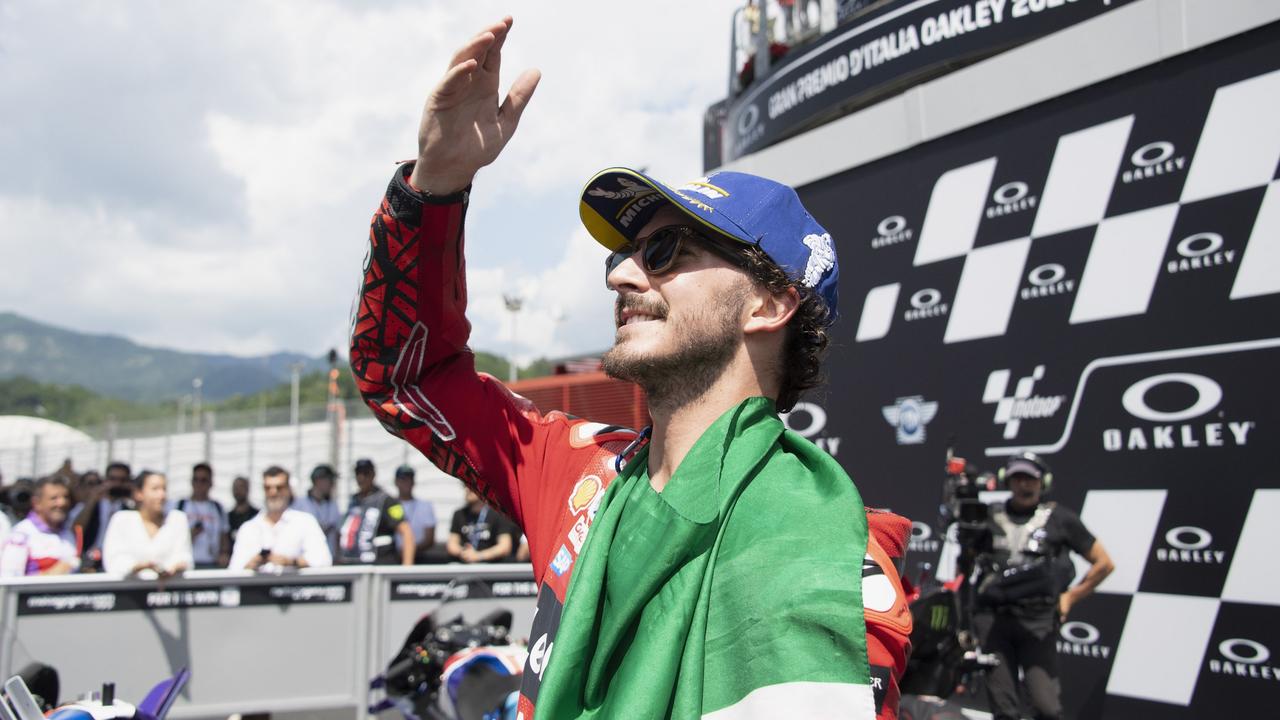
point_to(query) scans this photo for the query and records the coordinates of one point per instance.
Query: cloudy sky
(200, 175)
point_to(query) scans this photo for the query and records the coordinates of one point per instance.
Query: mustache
(632, 301)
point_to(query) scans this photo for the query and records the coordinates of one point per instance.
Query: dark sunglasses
(659, 249)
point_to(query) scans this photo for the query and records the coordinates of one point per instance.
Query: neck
(275, 515)
(677, 426)
(1017, 506)
(154, 516)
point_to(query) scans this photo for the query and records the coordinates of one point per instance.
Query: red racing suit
(547, 472)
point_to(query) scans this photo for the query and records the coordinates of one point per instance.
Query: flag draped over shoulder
(735, 593)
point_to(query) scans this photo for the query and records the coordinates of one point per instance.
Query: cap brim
(614, 216)
(1022, 467)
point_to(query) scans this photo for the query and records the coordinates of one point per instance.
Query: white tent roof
(19, 431)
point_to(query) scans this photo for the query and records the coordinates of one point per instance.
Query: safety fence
(306, 642)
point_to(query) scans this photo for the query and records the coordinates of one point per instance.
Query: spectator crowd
(123, 522)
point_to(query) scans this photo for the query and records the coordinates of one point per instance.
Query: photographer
(100, 502)
(1023, 588)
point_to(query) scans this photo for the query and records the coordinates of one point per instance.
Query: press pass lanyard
(475, 527)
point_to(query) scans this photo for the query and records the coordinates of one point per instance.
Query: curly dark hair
(807, 336)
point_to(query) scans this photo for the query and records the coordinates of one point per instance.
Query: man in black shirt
(373, 520)
(1025, 593)
(243, 511)
(481, 534)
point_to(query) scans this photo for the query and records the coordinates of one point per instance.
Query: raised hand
(463, 127)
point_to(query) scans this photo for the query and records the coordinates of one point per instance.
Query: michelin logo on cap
(822, 257)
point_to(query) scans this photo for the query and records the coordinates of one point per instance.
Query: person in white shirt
(419, 514)
(43, 543)
(150, 542)
(279, 536)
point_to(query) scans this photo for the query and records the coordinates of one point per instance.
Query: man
(724, 291)
(419, 514)
(210, 534)
(242, 511)
(43, 543)
(102, 501)
(372, 523)
(1024, 596)
(279, 537)
(319, 503)
(479, 533)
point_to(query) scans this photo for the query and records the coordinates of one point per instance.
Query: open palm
(463, 126)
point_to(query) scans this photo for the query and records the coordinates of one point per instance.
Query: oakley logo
(1244, 651)
(1152, 159)
(1190, 544)
(1175, 538)
(1010, 198)
(925, 303)
(1208, 395)
(747, 121)
(1200, 251)
(1046, 280)
(1079, 632)
(892, 230)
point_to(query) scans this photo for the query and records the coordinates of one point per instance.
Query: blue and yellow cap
(617, 202)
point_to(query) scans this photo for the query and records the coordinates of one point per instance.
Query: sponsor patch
(563, 560)
(585, 494)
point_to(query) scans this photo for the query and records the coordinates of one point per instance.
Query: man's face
(117, 477)
(201, 482)
(275, 489)
(240, 489)
(364, 480)
(51, 504)
(1026, 489)
(323, 485)
(404, 484)
(683, 325)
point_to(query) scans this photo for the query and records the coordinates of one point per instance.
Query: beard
(704, 341)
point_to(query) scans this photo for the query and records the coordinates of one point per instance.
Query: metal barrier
(301, 642)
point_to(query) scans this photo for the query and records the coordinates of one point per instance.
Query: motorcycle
(19, 703)
(455, 670)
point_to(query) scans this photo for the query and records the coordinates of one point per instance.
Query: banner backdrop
(898, 43)
(1097, 279)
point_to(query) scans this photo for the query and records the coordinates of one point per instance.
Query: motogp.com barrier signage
(902, 42)
(1096, 278)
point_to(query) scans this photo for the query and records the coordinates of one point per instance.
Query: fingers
(493, 56)
(518, 98)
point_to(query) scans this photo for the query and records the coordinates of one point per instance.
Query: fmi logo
(1200, 251)
(817, 422)
(922, 539)
(1168, 429)
(1190, 544)
(893, 230)
(1011, 410)
(1152, 160)
(1081, 639)
(1243, 658)
(1010, 198)
(909, 415)
(926, 303)
(1047, 280)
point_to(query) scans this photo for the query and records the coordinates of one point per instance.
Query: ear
(770, 311)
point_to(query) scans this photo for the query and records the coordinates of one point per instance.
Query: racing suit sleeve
(411, 362)
(885, 607)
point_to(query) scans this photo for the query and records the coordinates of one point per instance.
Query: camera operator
(1023, 581)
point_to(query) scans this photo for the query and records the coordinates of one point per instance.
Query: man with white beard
(279, 537)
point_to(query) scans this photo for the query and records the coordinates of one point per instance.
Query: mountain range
(118, 367)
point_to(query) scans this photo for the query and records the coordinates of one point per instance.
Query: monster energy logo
(939, 616)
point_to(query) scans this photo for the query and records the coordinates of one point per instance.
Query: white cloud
(200, 175)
